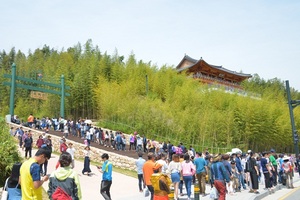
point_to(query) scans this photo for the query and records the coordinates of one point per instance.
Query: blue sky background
(254, 36)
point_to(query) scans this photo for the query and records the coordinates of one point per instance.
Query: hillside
(165, 106)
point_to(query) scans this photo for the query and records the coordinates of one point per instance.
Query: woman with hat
(288, 170)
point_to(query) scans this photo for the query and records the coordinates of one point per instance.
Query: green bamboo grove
(112, 90)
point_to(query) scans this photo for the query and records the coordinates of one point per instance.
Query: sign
(38, 95)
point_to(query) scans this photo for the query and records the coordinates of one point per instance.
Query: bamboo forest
(122, 93)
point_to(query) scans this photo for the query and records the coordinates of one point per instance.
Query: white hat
(286, 158)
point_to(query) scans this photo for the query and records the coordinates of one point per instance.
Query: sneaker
(251, 191)
(257, 192)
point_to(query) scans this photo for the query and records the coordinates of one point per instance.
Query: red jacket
(63, 147)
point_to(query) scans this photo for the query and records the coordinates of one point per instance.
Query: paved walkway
(126, 188)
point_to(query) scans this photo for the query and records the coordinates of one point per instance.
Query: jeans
(139, 148)
(140, 178)
(151, 190)
(105, 187)
(241, 181)
(180, 186)
(280, 176)
(188, 184)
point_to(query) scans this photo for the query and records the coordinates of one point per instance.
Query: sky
(254, 37)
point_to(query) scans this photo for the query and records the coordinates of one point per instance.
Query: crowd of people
(27, 178)
(167, 165)
(227, 173)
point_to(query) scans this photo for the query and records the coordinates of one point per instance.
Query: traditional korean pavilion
(211, 74)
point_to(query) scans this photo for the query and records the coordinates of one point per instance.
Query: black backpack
(249, 167)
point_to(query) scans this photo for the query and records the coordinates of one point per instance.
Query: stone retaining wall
(120, 161)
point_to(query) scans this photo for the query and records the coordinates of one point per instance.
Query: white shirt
(174, 167)
(164, 166)
(71, 151)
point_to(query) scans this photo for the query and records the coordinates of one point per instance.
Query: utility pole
(147, 87)
(293, 104)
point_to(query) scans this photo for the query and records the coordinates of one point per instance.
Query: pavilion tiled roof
(195, 62)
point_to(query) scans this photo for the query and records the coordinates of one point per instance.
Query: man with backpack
(64, 182)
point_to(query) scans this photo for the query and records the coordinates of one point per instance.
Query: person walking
(62, 148)
(201, 171)
(40, 142)
(47, 145)
(19, 134)
(30, 177)
(162, 161)
(106, 171)
(288, 170)
(71, 150)
(139, 166)
(148, 170)
(28, 142)
(219, 176)
(161, 184)
(64, 178)
(86, 164)
(188, 171)
(175, 168)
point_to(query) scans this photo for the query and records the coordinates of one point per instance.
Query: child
(86, 142)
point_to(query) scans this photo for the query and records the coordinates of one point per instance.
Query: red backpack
(60, 194)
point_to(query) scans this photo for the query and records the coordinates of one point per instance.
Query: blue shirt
(139, 165)
(35, 172)
(264, 162)
(107, 171)
(200, 165)
(227, 167)
(218, 172)
(238, 164)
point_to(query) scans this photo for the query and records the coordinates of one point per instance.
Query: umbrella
(88, 121)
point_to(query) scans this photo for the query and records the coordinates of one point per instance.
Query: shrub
(8, 152)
